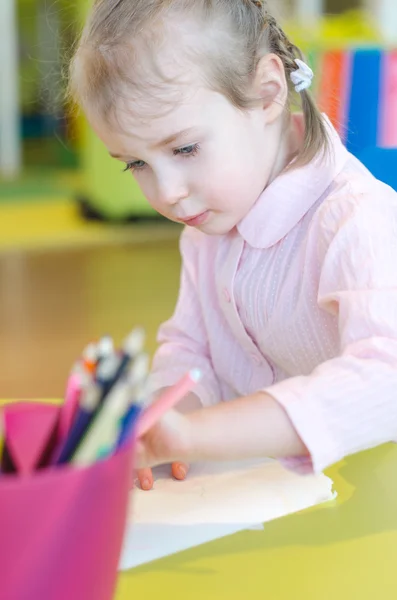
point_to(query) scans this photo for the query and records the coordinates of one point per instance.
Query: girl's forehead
(148, 93)
(182, 108)
(195, 115)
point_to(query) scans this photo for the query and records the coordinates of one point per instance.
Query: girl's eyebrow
(165, 142)
(174, 137)
(119, 156)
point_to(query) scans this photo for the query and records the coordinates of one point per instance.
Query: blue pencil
(128, 424)
(88, 406)
(105, 348)
(140, 393)
(106, 374)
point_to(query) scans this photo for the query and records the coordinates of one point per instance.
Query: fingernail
(182, 472)
(146, 484)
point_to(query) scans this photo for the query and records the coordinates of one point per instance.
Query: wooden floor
(53, 303)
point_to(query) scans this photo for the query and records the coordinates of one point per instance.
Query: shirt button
(226, 295)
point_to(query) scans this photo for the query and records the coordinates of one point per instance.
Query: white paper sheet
(217, 499)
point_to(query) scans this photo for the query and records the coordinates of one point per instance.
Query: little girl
(288, 297)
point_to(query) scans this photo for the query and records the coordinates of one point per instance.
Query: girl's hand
(168, 441)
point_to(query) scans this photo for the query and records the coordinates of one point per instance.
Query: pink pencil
(74, 389)
(167, 401)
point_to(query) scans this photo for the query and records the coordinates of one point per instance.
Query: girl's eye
(187, 150)
(135, 165)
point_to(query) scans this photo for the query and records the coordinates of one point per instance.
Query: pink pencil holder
(61, 531)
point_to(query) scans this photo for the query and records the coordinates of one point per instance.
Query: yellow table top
(345, 549)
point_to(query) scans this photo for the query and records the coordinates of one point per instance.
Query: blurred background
(81, 252)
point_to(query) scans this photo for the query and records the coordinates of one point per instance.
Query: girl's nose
(171, 191)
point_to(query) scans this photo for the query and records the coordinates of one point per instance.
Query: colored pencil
(105, 348)
(139, 370)
(140, 394)
(78, 381)
(167, 401)
(88, 405)
(132, 347)
(106, 374)
(128, 424)
(70, 406)
(104, 430)
(90, 358)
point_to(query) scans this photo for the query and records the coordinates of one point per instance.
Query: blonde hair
(109, 59)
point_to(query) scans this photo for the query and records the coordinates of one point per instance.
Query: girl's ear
(270, 85)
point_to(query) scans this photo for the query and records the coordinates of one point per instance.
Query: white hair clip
(302, 78)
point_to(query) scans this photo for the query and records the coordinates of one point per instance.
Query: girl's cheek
(147, 190)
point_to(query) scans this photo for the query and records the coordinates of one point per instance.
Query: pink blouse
(299, 300)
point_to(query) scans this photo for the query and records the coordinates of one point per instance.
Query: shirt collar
(291, 195)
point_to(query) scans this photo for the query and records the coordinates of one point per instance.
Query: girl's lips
(196, 220)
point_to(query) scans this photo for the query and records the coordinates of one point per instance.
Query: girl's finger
(179, 470)
(145, 477)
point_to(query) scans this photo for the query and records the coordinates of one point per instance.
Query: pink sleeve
(183, 339)
(349, 403)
